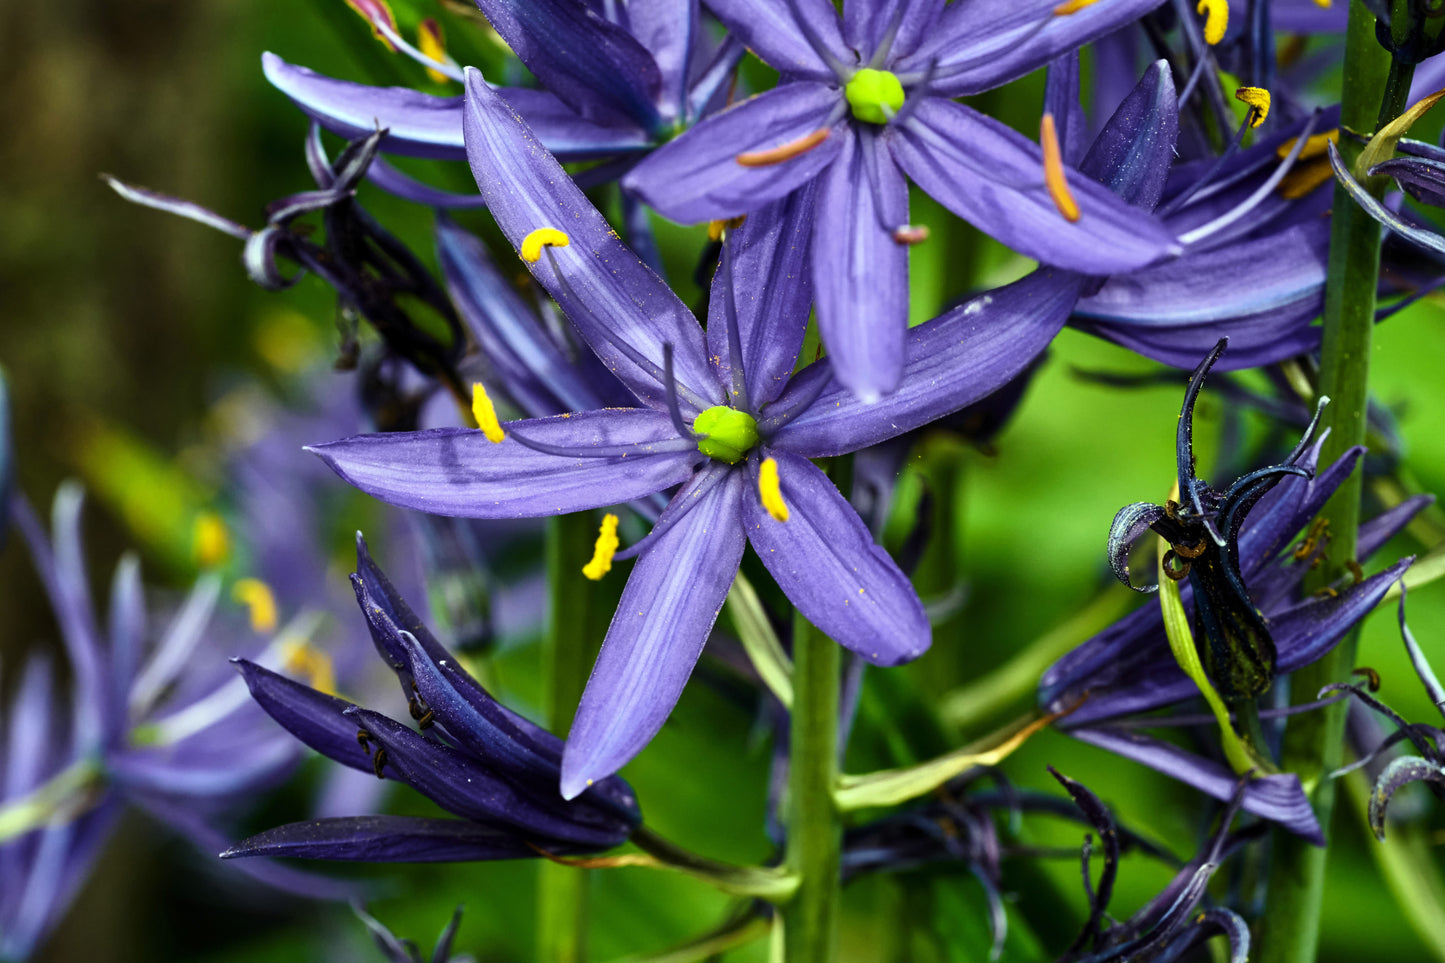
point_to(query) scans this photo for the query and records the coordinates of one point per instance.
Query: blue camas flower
(474, 758)
(722, 416)
(866, 105)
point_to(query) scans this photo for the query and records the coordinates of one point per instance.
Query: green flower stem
(561, 889)
(1313, 742)
(810, 919)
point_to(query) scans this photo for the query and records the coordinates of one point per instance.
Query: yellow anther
(1304, 180)
(776, 155)
(256, 596)
(1054, 178)
(1216, 19)
(1072, 6)
(603, 550)
(1324, 4)
(771, 491)
(211, 542)
(432, 42)
(376, 13)
(716, 229)
(1314, 147)
(304, 659)
(542, 237)
(1257, 98)
(486, 415)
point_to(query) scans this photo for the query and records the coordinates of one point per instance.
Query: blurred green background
(123, 327)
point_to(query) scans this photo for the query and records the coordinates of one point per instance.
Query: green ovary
(874, 95)
(730, 434)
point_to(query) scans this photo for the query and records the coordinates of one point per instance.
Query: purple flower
(866, 105)
(722, 417)
(474, 758)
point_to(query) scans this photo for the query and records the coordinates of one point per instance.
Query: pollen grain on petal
(256, 596)
(1216, 19)
(776, 155)
(771, 490)
(1257, 98)
(535, 241)
(486, 415)
(603, 550)
(1054, 179)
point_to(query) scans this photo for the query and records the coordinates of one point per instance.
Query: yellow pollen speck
(486, 415)
(603, 550)
(210, 539)
(1216, 19)
(542, 237)
(1072, 6)
(1258, 100)
(1323, 4)
(300, 658)
(771, 491)
(256, 596)
(1054, 170)
(1314, 147)
(432, 42)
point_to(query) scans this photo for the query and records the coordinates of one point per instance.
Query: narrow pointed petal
(859, 271)
(456, 471)
(390, 839)
(1129, 524)
(1133, 153)
(949, 363)
(671, 601)
(826, 561)
(769, 29)
(408, 188)
(424, 125)
(1401, 772)
(609, 294)
(594, 66)
(1276, 798)
(697, 177)
(462, 785)
(317, 719)
(1388, 219)
(1304, 634)
(1422, 179)
(904, 24)
(1003, 193)
(666, 29)
(773, 294)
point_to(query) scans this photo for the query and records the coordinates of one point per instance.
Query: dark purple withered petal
(392, 839)
(1401, 772)
(1422, 179)
(1129, 524)
(1373, 207)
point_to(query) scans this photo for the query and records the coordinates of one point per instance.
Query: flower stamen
(604, 549)
(784, 152)
(256, 596)
(1054, 180)
(1257, 98)
(535, 241)
(1216, 19)
(771, 491)
(302, 658)
(486, 415)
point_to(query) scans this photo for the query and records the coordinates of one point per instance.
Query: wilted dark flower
(474, 758)
(405, 951)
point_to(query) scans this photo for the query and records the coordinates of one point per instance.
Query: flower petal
(868, 23)
(456, 471)
(771, 291)
(772, 31)
(315, 718)
(389, 839)
(826, 561)
(697, 177)
(671, 601)
(949, 363)
(1003, 193)
(606, 290)
(1129, 524)
(859, 271)
(1133, 153)
(1277, 798)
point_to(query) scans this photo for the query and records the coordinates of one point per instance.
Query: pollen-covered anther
(431, 41)
(771, 491)
(211, 541)
(875, 96)
(542, 237)
(1216, 19)
(1054, 179)
(910, 234)
(304, 659)
(776, 155)
(1174, 567)
(486, 415)
(603, 549)
(716, 230)
(1257, 98)
(256, 596)
(1189, 551)
(1072, 6)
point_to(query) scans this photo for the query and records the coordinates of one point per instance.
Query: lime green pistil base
(874, 95)
(730, 434)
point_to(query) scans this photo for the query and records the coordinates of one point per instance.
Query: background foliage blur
(123, 329)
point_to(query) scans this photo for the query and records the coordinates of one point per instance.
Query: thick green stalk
(1314, 741)
(810, 918)
(562, 890)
